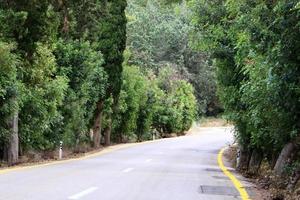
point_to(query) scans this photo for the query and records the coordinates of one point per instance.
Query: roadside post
(60, 153)
(154, 132)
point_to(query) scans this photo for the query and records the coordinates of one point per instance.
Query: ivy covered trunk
(13, 145)
(107, 132)
(255, 161)
(97, 125)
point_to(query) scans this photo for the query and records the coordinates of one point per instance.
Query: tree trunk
(255, 161)
(107, 133)
(119, 137)
(272, 158)
(283, 158)
(13, 145)
(5, 150)
(97, 125)
(111, 115)
(243, 158)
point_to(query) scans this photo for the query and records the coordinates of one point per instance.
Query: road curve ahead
(183, 168)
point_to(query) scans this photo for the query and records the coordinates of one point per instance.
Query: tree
(177, 106)
(133, 95)
(9, 103)
(110, 39)
(82, 65)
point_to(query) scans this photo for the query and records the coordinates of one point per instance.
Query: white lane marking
(148, 160)
(127, 170)
(83, 193)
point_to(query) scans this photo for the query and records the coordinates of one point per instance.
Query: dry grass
(214, 122)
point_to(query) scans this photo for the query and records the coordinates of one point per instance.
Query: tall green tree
(8, 103)
(132, 97)
(112, 43)
(82, 65)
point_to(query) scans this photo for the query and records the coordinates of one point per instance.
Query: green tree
(112, 42)
(177, 106)
(9, 102)
(132, 97)
(82, 65)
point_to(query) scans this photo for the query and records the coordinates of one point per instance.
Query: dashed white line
(127, 170)
(148, 160)
(83, 193)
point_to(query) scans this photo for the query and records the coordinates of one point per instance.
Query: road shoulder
(254, 191)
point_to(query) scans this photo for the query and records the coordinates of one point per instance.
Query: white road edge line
(148, 160)
(127, 170)
(83, 193)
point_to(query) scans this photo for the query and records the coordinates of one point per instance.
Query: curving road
(183, 168)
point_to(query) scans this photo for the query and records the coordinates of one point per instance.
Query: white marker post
(60, 153)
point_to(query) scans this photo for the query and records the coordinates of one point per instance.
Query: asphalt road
(183, 168)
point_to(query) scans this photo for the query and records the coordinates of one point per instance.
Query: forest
(96, 72)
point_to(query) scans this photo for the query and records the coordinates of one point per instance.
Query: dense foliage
(158, 36)
(255, 46)
(55, 67)
(62, 79)
(151, 104)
